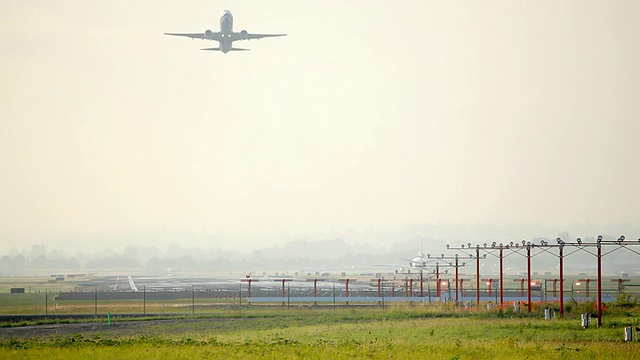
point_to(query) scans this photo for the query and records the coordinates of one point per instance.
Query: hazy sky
(368, 114)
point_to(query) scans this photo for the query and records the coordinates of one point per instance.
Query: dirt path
(120, 328)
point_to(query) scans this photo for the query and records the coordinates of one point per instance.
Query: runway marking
(132, 285)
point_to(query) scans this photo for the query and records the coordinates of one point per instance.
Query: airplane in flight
(226, 36)
(418, 263)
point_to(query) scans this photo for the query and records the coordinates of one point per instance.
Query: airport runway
(264, 289)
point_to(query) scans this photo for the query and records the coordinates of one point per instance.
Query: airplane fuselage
(226, 23)
(226, 30)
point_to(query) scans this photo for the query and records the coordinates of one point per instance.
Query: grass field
(222, 329)
(397, 332)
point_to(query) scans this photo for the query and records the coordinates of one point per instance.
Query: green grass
(401, 332)
(34, 304)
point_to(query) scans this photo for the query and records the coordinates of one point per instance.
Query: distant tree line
(301, 256)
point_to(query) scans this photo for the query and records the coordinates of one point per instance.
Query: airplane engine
(244, 34)
(208, 34)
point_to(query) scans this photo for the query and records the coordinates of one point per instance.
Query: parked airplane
(226, 36)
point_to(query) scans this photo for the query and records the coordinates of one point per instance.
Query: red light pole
(346, 281)
(528, 277)
(545, 247)
(500, 247)
(521, 286)
(621, 244)
(477, 257)
(283, 289)
(456, 279)
(315, 291)
(347, 290)
(620, 284)
(561, 281)
(437, 280)
(455, 264)
(489, 283)
(478, 276)
(501, 279)
(587, 282)
(599, 281)
(248, 280)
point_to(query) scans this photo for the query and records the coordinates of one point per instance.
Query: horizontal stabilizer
(218, 49)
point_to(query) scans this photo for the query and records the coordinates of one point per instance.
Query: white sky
(368, 114)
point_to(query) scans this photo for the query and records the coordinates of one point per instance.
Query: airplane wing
(209, 35)
(243, 35)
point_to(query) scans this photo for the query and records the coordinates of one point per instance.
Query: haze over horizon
(388, 120)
